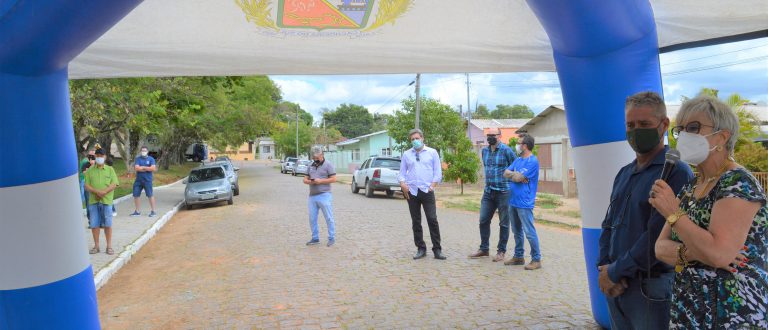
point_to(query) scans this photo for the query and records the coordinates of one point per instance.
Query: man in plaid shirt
(497, 157)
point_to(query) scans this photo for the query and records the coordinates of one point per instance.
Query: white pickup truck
(377, 174)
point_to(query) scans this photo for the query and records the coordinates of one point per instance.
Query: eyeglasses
(692, 127)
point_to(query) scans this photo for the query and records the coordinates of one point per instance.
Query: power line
(393, 96)
(715, 66)
(715, 55)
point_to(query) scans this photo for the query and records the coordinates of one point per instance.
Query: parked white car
(377, 174)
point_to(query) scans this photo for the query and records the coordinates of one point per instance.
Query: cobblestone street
(246, 266)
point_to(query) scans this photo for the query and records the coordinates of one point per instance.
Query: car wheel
(282, 171)
(230, 201)
(187, 206)
(237, 190)
(293, 173)
(355, 188)
(368, 189)
(390, 193)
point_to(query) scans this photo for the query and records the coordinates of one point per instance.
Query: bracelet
(682, 260)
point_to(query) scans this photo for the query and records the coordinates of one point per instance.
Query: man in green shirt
(100, 182)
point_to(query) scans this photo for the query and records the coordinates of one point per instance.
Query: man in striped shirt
(496, 158)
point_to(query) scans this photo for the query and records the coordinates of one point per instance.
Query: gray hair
(647, 99)
(414, 131)
(317, 151)
(721, 115)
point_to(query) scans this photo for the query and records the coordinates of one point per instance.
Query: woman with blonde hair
(716, 226)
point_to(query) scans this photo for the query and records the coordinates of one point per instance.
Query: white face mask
(144, 154)
(100, 160)
(519, 149)
(694, 148)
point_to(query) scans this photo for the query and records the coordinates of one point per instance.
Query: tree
(442, 127)
(350, 119)
(286, 112)
(504, 111)
(285, 138)
(753, 156)
(481, 112)
(463, 163)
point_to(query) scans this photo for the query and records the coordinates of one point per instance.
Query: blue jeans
(82, 192)
(631, 309)
(493, 200)
(101, 216)
(321, 202)
(522, 223)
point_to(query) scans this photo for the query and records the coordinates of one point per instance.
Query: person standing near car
(144, 166)
(420, 172)
(320, 176)
(497, 157)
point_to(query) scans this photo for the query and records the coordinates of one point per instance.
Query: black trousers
(427, 201)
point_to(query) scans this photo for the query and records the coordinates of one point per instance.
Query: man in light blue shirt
(420, 172)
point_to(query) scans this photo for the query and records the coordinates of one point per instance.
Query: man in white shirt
(420, 172)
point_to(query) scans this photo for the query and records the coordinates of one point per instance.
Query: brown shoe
(479, 254)
(533, 265)
(515, 262)
(499, 257)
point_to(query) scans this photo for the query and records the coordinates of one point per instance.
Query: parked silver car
(231, 171)
(287, 165)
(301, 167)
(207, 184)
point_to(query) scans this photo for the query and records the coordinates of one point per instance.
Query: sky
(739, 67)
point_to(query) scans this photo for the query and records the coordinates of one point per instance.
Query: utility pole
(469, 114)
(297, 132)
(418, 99)
(325, 135)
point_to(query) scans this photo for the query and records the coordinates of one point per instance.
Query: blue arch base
(591, 237)
(52, 306)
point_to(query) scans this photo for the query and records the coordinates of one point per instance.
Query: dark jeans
(415, 203)
(493, 200)
(631, 309)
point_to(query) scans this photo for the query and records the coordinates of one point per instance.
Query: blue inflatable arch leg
(46, 280)
(603, 52)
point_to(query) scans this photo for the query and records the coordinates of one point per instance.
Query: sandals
(94, 250)
(110, 251)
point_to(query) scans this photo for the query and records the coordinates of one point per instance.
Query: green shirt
(80, 168)
(101, 178)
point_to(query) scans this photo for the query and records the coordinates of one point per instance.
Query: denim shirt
(624, 241)
(420, 170)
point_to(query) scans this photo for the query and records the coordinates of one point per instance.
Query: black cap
(99, 151)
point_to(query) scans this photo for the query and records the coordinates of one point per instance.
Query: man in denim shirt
(638, 297)
(496, 158)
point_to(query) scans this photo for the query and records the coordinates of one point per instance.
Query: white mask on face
(519, 149)
(694, 148)
(144, 153)
(100, 160)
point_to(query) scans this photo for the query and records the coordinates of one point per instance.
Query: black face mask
(318, 162)
(643, 140)
(492, 140)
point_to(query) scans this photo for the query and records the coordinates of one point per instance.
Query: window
(386, 152)
(356, 154)
(265, 149)
(393, 164)
(365, 164)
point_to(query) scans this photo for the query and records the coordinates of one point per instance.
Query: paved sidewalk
(126, 230)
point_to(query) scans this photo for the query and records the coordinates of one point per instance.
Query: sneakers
(114, 214)
(135, 214)
(515, 262)
(533, 265)
(152, 214)
(331, 242)
(313, 242)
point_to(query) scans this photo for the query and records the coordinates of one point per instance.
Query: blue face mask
(417, 144)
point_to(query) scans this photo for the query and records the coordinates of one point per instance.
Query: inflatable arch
(602, 54)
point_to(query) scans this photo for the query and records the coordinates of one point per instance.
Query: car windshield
(226, 166)
(304, 162)
(206, 174)
(222, 159)
(393, 164)
(291, 160)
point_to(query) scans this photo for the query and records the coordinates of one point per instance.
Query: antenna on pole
(418, 99)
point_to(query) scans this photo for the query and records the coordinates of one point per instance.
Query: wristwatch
(672, 218)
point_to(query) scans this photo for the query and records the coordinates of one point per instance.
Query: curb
(102, 277)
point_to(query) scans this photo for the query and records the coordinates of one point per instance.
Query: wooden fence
(762, 177)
